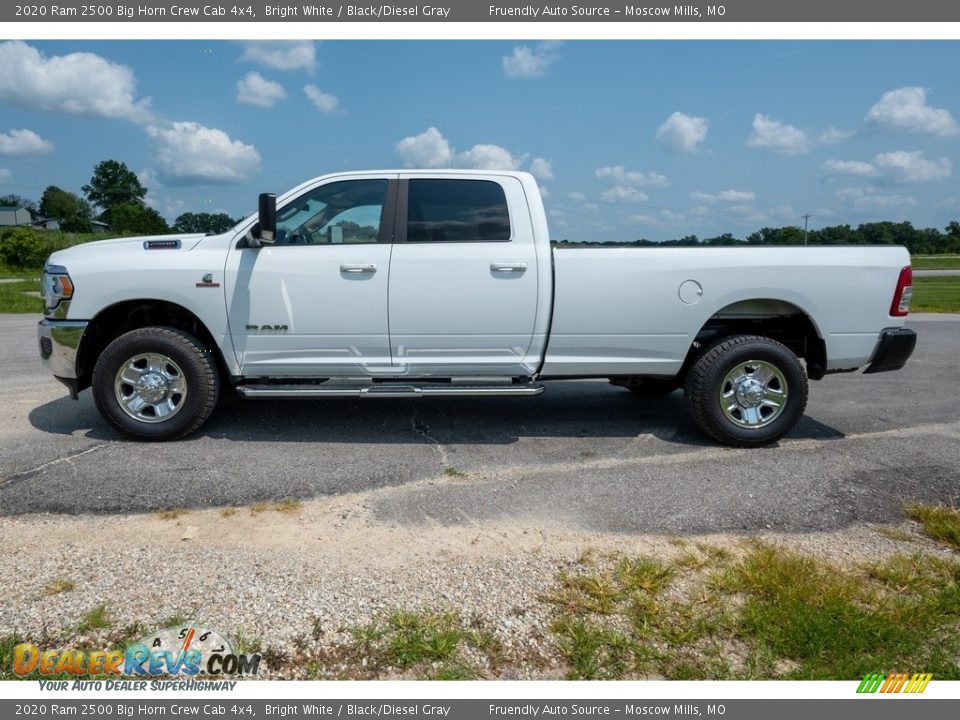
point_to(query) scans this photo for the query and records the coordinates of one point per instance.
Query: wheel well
(112, 322)
(778, 320)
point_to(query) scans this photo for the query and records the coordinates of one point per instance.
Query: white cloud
(912, 167)
(76, 84)
(832, 136)
(429, 149)
(592, 207)
(641, 219)
(749, 214)
(187, 153)
(24, 142)
(324, 102)
(783, 212)
(868, 199)
(489, 157)
(627, 184)
(544, 192)
(778, 137)
(855, 168)
(530, 62)
(541, 169)
(682, 133)
(623, 194)
(900, 166)
(577, 196)
(730, 196)
(5, 175)
(906, 109)
(281, 54)
(254, 89)
(621, 176)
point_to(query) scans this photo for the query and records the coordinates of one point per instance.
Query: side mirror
(268, 218)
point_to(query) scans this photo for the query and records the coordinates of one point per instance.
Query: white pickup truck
(411, 283)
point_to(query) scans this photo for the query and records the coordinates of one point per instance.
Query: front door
(314, 304)
(463, 278)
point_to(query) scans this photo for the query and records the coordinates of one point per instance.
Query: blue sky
(629, 139)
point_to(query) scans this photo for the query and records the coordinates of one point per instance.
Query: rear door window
(457, 211)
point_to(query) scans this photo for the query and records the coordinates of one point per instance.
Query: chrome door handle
(508, 267)
(364, 268)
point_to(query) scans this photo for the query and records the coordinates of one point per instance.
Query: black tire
(655, 387)
(707, 380)
(193, 368)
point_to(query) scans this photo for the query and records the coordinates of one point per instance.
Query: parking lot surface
(584, 454)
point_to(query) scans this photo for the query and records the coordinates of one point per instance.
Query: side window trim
(402, 207)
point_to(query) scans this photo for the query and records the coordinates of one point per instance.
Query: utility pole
(806, 217)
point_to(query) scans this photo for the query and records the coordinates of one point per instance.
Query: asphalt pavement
(584, 453)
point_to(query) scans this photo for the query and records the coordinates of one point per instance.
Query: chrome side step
(383, 391)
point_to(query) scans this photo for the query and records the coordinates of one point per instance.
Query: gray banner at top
(483, 11)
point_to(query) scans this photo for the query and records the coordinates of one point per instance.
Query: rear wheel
(156, 383)
(747, 391)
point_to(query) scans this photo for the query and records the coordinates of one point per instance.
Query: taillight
(901, 296)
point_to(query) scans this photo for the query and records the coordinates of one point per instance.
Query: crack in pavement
(24, 474)
(423, 430)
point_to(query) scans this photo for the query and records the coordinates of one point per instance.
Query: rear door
(463, 278)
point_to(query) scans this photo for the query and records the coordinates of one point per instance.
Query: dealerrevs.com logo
(174, 651)
(894, 683)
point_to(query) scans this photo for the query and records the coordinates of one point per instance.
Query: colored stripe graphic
(870, 683)
(894, 683)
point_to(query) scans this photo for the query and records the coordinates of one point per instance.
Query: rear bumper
(59, 343)
(893, 350)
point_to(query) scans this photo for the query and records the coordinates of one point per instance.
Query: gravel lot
(382, 524)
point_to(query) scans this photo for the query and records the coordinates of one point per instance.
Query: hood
(129, 245)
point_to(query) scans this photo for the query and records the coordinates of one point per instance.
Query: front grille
(46, 347)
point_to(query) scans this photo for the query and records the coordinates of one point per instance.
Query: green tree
(21, 202)
(203, 223)
(71, 211)
(137, 219)
(113, 184)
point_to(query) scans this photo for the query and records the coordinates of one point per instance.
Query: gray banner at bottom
(872, 707)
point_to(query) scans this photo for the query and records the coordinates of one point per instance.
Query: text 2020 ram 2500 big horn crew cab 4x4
(411, 283)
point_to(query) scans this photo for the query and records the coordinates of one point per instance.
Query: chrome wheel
(753, 394)
(150, 387)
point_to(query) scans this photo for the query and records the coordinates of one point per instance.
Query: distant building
(54, 224)
(47, 224)
(14, 216)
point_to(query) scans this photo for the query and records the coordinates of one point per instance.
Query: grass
(935, 262)
(12, 299)
(430, 645)
(95, 619)
(938, 522)
(936, 294)
(765, 613)
(171, 514)
(59, 585)
(288, 507)
(454, 473)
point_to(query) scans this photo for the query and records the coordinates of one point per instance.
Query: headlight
(56, 286)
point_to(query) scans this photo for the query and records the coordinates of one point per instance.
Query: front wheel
(747, 391)
(156, 383)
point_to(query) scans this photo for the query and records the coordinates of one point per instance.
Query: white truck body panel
(618, 311)
(443, 310)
